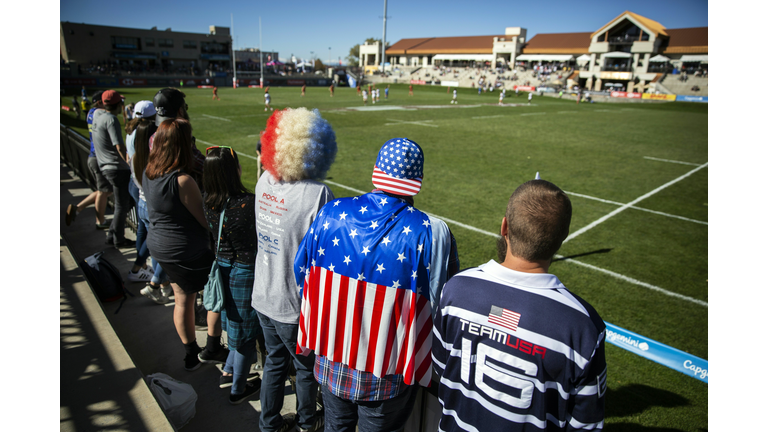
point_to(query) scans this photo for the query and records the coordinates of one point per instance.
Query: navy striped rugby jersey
(517, 352)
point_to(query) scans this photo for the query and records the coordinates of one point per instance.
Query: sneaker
(71, 214)
(289, 422)
(251, 389)
(155, 294)
(226, 380)
(167, 292)
(191, 362)
(317, 424)
(104, 225)
(219, 356)
(124, 243)
(143, 275)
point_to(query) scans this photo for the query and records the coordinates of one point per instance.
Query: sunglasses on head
(232, 152)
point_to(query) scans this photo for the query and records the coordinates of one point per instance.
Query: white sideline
(217, 118)
(637, 208)
(608, 272)
(630, 204)
(671, 161)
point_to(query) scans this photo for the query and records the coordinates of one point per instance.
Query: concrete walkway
(106, 353)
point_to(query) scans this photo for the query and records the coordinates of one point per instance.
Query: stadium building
(86, 45)
(630, 51)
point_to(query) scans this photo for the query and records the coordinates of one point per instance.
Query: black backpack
(104, 278)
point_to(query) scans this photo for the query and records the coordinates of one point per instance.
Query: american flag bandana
(504, 317)
(399, 168)
(364, 272)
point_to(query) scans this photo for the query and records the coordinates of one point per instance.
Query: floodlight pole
(261, 58)
(384, 40)
(234, 57)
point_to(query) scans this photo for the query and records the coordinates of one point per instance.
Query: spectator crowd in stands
(362, 296)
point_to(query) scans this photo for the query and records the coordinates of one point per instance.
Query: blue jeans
(280, 340)
(388, 415)
(239, 364)
(142, 252)
(143, 214)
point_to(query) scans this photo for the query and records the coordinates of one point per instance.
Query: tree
(354, 53)
(319, 66)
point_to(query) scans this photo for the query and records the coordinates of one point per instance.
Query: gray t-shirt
(284, 212)
(106, 135)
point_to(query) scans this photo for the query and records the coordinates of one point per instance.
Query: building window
(190, 44)
(128, 43)
(214, 48)
(165, 43)
(149, 42)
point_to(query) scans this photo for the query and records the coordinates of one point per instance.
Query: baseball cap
(111, 97)
(167, 103)
(144, 109)
(96, 97)
(399, 167)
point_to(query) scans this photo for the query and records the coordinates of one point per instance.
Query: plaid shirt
(355, 385)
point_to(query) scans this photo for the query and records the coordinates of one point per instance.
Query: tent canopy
(617, 54)
(584, 58)
(704, 58)
(544, 57)
(659, 58)
(468, 57)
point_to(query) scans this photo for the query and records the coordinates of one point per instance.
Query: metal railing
(75, 149)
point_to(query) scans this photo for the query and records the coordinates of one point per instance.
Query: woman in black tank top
(178, 233)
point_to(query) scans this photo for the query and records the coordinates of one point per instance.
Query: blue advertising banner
(663, 354)
(681, 98)
(352, 82)
(106, 82)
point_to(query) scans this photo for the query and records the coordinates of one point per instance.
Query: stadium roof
(559, 43)
(444, 45)
(648, 23)
(693, 40)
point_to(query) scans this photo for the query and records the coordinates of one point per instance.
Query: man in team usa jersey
(514, 349)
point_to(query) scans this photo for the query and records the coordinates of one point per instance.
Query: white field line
(636, 208)
(630, 204)
(239, 153)
(568, 112)
(671, 161)
(608, 272)
(530, 114)
(493, 116)
(637, 282)
(217, 118)
(418, 123)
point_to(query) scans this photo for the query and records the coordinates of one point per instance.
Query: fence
(75, 149)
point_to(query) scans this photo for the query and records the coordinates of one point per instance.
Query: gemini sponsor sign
(525, 88)
(663, 354)
(418, 82)
(681, 98)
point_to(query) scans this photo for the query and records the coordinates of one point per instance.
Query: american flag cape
(363, 268)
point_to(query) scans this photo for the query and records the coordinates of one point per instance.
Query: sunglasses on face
(232, 152)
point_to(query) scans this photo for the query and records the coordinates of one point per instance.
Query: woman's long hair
(221, 177)
(145, 127)
(131, 124)
(172, 148)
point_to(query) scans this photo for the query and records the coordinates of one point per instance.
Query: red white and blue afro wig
(298, 144)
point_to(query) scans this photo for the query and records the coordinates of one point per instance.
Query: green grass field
(605, 155)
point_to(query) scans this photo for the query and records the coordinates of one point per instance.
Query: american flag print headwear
(364, 271)
(399, 167)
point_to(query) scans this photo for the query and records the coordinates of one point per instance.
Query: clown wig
(298, 144)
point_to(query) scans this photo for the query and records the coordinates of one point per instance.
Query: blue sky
(301, 27)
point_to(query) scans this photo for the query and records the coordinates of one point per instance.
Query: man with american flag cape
(371, 269)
